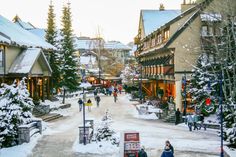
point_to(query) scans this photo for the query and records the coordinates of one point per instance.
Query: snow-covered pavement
(60, 136)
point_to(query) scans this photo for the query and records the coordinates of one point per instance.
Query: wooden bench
(25, 132)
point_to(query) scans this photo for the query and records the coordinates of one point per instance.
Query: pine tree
(203, 84)
(69, 69)
(51, 37)
(15, 110)
(104, 132)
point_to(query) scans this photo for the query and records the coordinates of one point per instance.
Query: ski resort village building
(170, 41)
(22, 55)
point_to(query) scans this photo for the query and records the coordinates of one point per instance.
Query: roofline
(197, 6)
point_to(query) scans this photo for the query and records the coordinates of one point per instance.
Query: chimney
(162, 7)
(187, 4)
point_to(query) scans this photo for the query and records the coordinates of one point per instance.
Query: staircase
(170, 118)
(149, 93)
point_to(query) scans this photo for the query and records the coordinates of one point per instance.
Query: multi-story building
(170, 41)
(22, 55)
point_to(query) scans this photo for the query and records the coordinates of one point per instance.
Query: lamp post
(185, 102)
(221, 112)
(221, 117)
(84, 100)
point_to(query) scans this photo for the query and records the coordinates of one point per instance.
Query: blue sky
(117, 19)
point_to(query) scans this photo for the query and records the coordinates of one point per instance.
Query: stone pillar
(178, 99)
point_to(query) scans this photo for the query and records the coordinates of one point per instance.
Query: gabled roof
(116, 45)
(154, 19)
(20, 37)
(25, 25)
(25, 61)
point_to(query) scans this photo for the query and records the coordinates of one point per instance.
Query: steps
(170, 118)
(50, 117)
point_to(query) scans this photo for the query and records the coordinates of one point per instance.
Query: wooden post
(42, 88)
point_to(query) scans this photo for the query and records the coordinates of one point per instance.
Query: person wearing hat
(142, 152)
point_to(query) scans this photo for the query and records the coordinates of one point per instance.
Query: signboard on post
(130, 144)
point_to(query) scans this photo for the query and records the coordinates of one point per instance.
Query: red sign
(131, 136)
(208, 101)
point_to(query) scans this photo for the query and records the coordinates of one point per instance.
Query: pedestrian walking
(195, 120)
(142, 153)
(97, 99)
(115, 96)
(201, 118)
(95, 92)
(89, 104)
(190, 122)
(177, 116)
(120, 88)
(80, 102)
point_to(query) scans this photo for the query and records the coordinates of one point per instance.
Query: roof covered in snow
(25, 25)
(18, 36)
(154, 19)
(25, 61)
(38, 32)
(116, 45)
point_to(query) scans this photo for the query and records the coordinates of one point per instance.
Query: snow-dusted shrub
(104, 132)
(15, 110)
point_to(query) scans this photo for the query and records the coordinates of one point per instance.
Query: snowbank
(104, 147)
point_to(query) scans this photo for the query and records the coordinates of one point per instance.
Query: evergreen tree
(69, 68)
(104, 132)
(15, 110)
(51, 37)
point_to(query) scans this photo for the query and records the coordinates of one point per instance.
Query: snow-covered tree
(104, 132)
(128, 74)
(69, 69)
(51, 37)
(203, 84)
(15, 110)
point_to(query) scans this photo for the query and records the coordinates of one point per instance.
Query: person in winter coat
(170, 146)
(80, 102)
(195, 120)
(98, 99)
(167, 152)
(190, 122)
(142, 153)
(177, 116)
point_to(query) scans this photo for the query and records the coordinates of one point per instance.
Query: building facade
(22, 55)
(170, 41)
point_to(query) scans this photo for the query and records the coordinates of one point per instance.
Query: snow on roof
(25, 61)
(211, 17)
(154, 19)
(25, 25)
(19, 36)
(38, 32)
(4, 39)
(116, 45)
(85, 43)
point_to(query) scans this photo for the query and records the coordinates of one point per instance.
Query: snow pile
(104, 147)
(146, 111)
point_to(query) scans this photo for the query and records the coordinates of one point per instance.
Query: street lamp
(185, 101)
(84, 85)
(221, 112)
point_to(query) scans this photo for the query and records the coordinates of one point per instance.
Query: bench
(25, 132)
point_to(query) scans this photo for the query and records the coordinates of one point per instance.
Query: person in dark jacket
(142, 153)
(80, 102)
(167, 152)
(177, 116)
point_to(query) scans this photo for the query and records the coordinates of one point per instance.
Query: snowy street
(60, 135)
